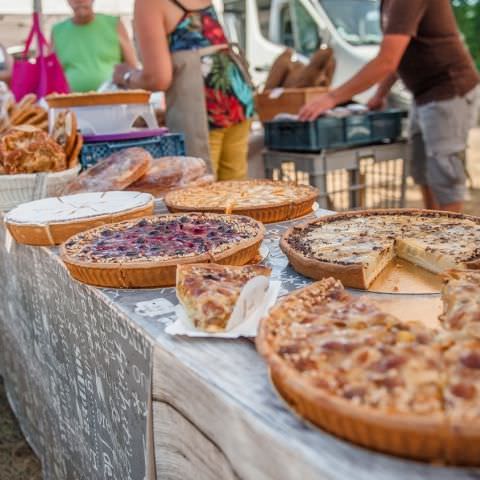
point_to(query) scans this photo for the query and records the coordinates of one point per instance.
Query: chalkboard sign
(77, 370)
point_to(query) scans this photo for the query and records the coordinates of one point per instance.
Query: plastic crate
(292, 136)
(387, 125)
(169, 145)
(358, 129)
(355, 178)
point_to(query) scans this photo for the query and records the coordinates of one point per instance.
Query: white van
(265, 27)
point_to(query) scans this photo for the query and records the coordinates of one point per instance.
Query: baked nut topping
(339, 356)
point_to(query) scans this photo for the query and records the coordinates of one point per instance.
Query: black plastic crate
(293, 136)
(387, 125)
(168, 145)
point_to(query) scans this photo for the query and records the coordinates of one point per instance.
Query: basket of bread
(34, 164)
(25, 112)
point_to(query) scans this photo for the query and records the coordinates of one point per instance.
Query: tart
(265, 200)
(209, 292)
(115, 172)
(145, 253)
(51, 221)
(355, 247)
(360, 373)
(88, 99)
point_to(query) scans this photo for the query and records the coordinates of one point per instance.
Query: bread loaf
(116, 172)
(168, 173)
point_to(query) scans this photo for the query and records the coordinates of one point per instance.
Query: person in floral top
(193, 25)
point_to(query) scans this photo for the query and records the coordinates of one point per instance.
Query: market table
(101, 391)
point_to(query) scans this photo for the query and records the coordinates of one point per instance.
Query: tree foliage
(468, 18)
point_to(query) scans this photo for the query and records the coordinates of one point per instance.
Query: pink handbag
(42, 76)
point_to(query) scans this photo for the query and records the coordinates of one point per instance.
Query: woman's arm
(129, 56)
(152, 40)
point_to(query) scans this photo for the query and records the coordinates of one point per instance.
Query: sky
(61, 7)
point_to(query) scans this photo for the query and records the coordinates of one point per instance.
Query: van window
(234, 20)
(357, 21)
(307, 36)
(289, 23)
(286, 27)
(263, 8)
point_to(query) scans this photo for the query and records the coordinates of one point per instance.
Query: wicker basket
(25, 187)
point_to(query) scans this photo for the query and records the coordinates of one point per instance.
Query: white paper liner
(255, 300)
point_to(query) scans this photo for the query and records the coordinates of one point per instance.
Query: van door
(266, 27)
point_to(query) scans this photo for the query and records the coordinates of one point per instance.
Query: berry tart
(146, 252)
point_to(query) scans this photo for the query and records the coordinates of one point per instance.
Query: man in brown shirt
(422, 46)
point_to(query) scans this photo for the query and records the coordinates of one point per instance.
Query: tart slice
(265, 200)
(146, 252)
(209, 292)
(51, 221)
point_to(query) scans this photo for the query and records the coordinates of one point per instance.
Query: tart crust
(436, 436)
(55, 233)
(158, 273)
(355, 275)
(265, 212)
(94, 98)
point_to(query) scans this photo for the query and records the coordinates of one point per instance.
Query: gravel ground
(17, 460)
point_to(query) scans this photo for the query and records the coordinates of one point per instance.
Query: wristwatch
(126, 77)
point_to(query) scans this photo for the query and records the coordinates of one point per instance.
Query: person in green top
(89, 45)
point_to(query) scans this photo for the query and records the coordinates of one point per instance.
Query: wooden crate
(290, 100)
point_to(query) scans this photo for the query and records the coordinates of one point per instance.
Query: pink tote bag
(42, 76)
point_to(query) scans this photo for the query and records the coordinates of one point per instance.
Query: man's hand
(377, 102)
(379, 70)
(316, 107)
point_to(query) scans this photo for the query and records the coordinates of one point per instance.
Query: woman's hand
(316, 107)
(119, 74)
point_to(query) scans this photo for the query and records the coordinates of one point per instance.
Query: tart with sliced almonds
(265, 200)
(401, 388)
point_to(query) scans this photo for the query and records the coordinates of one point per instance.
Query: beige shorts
(439, 134)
